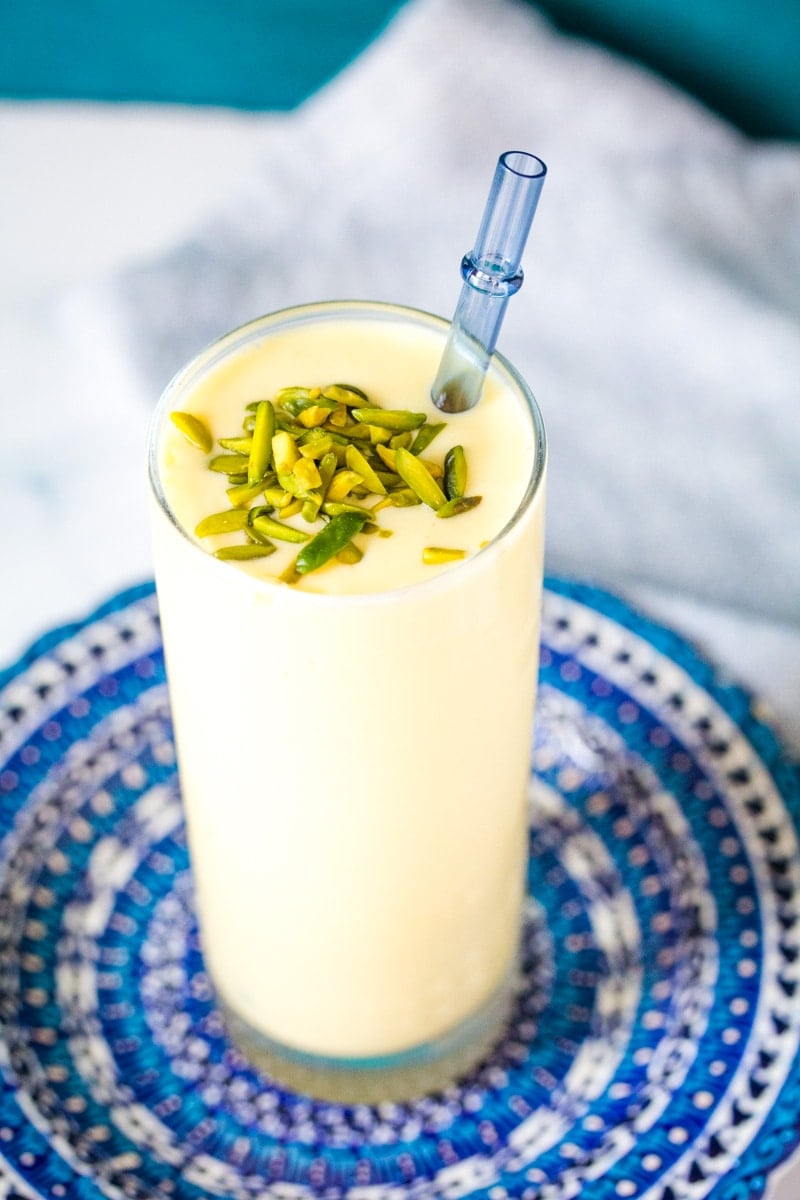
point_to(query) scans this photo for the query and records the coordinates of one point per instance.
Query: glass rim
(220, 348)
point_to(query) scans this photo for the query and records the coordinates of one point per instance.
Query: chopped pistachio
(327, 470)
(406, 440)
(277, 497)
(343, 483)
(425, 436)
(329, 542)
(387, 455)
(357, 462)
(339, 417)
(455, 472)
(403, 498)
(416, 474)
(358, 433)
(229, 464)
(193, 429)
(346, 393)
(459, 504)
(231, 521)
(268, 527)
(436, 469)
(390, 418)
(291, 484)
(434, 555)
(311, 506)
(307, 474)
(350, 554)
(236, 445)
(290, 397)
(247, 551)
(316, 444)
(243, 493)
(314, 415)
(335, 508)
(335, 458)
(261, 448)
(284, 452)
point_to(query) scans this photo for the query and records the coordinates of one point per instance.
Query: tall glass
(354, 771)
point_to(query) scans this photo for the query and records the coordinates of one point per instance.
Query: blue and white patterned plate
(654, 1046)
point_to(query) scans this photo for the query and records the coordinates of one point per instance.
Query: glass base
(392, 1077)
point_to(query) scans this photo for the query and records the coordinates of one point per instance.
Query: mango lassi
(353, 746)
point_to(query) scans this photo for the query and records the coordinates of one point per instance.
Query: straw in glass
(492, 274)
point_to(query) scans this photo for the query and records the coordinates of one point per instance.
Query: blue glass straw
(492, 273)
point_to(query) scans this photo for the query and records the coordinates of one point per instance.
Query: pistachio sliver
(343, 483)
(290, 484)
(193, 429)
(327, 469)
(284, 452)
(229, 464)
(459, 504)
(402, 439)
(346, 393)
(455, 472)
(237, 445)
(350, 554)
(307, 475)
(434, 555)
(379, 436)
(313, 416)
(231, 521)
(315, 444)
(329, 542)
(358, 433)
(292, 395)
(277, 497)
(289, 574)
(310, 507)
(425, 436)
(358, 463)
(245, 552)
(397, 419)
(298, 407)
(243, 493)
(435, 469)
(414, 472)
(386, 454)
(335, 508)
(401, 498)
(261, 449)
(268, 527)
(338, 418)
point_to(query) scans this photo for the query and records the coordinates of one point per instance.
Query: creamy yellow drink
(354, 745)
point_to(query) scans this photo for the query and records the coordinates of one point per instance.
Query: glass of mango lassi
(349, 584)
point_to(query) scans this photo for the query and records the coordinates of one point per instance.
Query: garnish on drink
(333, 458)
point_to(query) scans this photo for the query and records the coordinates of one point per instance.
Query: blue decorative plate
(653, 1050)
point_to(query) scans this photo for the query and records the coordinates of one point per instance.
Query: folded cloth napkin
(659, 322)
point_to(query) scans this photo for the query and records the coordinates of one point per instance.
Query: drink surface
(394, 365)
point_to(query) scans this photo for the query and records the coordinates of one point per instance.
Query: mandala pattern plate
(654, 1045)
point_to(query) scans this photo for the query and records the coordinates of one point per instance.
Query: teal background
(741, 57)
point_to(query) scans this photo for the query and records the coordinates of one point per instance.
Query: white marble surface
(87, 193)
